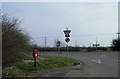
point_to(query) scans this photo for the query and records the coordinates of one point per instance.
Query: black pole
(34, 62)
(58, 51)
(118, 36)
(67, 49)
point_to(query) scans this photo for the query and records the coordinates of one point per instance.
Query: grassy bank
(26, 67)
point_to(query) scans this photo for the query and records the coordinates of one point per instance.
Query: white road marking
(115, 59)
(97, 61)
(103, 55)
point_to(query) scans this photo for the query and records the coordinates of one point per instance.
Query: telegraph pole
(75, 43)
(118, 35)
(96, 43)
(45, 40)
(90, 44)
(90, 47)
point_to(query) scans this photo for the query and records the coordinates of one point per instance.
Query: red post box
(35, 53)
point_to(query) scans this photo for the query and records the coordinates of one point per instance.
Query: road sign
(96, 44)
(58, 43)
(67, 32)
(67, 35)
(67, 40)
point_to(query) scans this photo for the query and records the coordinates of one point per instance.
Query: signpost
(96, 45)
(67, 39)
(58, 45)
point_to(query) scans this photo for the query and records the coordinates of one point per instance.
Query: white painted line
(115, 59)
(103, 55)
(97, 61)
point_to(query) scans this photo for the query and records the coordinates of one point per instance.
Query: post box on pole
(35, 55)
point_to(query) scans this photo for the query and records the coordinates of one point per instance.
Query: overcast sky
(87, 20)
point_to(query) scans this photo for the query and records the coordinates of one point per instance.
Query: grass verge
(26, 68)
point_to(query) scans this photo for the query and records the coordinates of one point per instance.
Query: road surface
(96, 64)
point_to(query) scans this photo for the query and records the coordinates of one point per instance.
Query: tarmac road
(96, 64)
